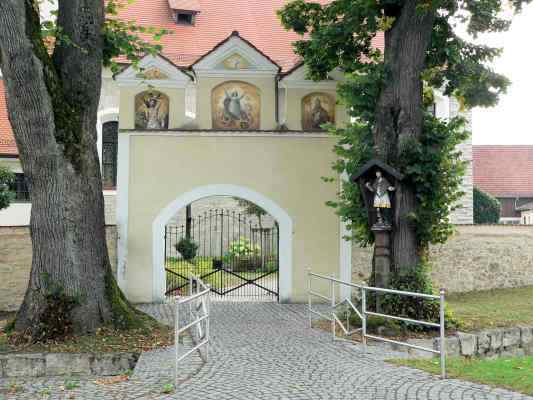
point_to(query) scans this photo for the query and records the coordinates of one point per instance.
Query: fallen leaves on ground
(112, 380)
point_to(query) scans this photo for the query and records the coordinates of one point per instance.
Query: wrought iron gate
(235, 255)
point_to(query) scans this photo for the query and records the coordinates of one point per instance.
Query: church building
(226, 109)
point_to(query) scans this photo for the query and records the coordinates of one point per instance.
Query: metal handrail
(364, 313)
(197, 315)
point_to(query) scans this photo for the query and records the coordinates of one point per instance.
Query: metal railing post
(177, 343)
(207, 324)
(442, 335)
(191, 292)
(332, 292)
(309, 301)
(363, 320)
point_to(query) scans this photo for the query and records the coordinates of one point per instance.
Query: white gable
(298, 79)
(251, 61)
(155, 71)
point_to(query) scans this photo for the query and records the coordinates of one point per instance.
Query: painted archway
(281, 216)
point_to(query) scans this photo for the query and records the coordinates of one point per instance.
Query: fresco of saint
(236, 105)
(317, 109)
(151, 110)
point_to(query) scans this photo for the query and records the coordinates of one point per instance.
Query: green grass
(511, 373)
(493, 308)
(203, 266)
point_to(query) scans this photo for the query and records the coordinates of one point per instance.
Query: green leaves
(433, 166)
(121, 38)
(7, 178)
(129, 40)
(340, 35)
(486, 208)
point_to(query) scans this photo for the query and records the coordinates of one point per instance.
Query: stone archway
(281, 216)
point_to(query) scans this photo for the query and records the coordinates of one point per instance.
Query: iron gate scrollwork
(235, 255)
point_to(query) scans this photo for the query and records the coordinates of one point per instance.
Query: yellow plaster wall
(287, 170)
(266, 86)
(176, 98)
(293, 100)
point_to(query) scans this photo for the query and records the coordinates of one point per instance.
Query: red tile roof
(504, 171)
(256, 22)
(7, 141)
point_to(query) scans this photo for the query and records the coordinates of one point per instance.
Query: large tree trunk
(399, 116)
(52, 104)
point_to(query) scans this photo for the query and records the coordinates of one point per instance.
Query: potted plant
(217, 263)
(187, 248)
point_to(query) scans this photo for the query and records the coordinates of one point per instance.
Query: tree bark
(52, 106)
(399, 115)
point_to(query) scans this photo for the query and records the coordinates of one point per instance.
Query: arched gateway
(280, 215)
(230, 124)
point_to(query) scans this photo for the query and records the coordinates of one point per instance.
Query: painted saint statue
(381, 188)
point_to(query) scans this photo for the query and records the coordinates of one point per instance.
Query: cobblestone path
(266, 351)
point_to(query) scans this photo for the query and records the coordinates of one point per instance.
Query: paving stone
(266, 351)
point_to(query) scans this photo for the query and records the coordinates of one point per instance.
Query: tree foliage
(340, 34)
(252, 209)
(486, 208)
(53, 75)
(6, 180)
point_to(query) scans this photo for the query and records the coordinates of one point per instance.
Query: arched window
(109, 154)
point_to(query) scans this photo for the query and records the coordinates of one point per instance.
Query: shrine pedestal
(382, 254)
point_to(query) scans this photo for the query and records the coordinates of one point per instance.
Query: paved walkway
(266, 351)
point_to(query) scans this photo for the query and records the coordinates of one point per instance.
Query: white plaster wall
(17, 214)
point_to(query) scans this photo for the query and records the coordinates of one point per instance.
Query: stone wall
(492, 343)
(15, 263)
(477, 257)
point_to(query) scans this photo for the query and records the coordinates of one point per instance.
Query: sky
(509, 122)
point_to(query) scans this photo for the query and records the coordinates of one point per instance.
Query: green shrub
(486, 208)
(6, 180)
(416, 280)
(187, 248)
(243, 247)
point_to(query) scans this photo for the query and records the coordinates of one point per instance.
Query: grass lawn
(493, 308)
(203, 266)
(511, 373)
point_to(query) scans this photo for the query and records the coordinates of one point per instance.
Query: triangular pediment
(235, 56)
(298, 77)
(156, 71)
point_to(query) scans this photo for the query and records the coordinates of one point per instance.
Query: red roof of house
(256, 22)
(504, 171)
(7, 141)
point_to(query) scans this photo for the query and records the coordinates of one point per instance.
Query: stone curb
(65, 364)
(491, 343)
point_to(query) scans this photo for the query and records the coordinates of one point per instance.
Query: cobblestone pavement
(266, 351)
